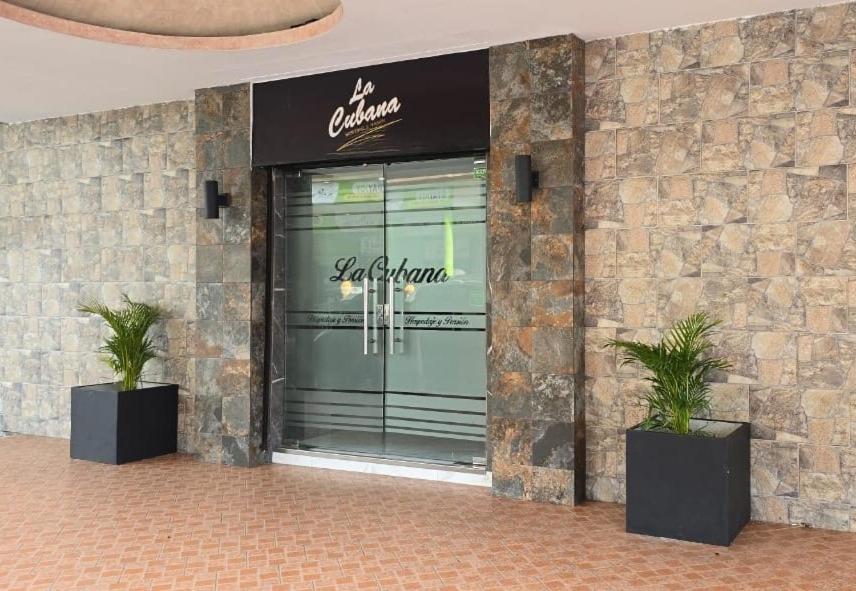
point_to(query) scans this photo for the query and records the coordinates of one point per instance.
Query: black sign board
(436, 105)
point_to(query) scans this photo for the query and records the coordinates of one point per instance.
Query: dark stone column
(227, 337)
(536, 430)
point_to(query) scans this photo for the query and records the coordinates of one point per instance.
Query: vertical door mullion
(387, 306)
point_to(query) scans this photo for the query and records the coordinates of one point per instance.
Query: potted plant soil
(130, 419)
(687, 476)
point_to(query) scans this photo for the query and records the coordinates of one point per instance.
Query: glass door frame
(275, 345)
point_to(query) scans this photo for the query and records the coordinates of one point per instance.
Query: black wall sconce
(525, 179)
(214, 200)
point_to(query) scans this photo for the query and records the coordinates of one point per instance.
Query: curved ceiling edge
(119, 36)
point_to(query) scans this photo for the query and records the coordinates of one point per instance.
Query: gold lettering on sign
(363, 123)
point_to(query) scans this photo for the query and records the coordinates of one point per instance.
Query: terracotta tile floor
(174, 523)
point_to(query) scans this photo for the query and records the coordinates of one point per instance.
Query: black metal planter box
(114, 426)
(688, 487)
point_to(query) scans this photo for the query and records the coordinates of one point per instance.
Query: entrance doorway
(385, 298)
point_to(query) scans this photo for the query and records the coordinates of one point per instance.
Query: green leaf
(129, 348)
(678, 368)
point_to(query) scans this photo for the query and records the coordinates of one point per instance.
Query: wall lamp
(214, 200)
(525, 179)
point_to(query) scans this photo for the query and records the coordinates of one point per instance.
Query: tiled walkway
(174, 523)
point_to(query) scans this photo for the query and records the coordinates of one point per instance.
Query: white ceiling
(44, 74)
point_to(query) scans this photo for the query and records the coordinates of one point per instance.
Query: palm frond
(678, 367)
(127, 350)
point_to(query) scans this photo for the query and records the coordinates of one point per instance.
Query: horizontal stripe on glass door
(417, 413)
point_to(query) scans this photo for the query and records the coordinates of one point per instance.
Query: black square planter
(116, 426)
(688, 487)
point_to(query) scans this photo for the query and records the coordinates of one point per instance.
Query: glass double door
(385, 301)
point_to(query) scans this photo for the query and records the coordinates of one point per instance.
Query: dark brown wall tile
(536, 261)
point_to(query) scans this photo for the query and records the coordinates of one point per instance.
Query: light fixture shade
(214, 200)
(523, 178)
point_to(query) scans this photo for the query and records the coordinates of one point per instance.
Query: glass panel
(334, 309)
(436, 371)
(384, 294)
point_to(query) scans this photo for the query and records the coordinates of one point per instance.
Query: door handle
(366, 316)
(374, 318)
(401, 323)
(391, 316)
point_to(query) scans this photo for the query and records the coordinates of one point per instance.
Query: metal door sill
(473, 476)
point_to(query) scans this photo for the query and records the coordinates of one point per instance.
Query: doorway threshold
(383, 467)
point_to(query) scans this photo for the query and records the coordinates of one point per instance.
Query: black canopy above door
(436, 105)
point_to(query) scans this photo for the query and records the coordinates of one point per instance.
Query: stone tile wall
(227, 337)
(535, 429)
(92, 205)
(720, 164)
(102, 204)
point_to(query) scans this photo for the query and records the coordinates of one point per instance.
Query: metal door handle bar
(366, 316)
(374, 319)
(391, 316)
(401, 324)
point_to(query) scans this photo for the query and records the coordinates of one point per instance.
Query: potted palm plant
(129, 419)
(687, 476)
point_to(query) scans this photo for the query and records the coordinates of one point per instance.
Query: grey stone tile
(209, 264)
(553, 445)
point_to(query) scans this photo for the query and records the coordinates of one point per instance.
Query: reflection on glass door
(436, 368)
(385, 328)
(334, 375)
